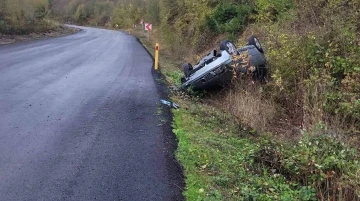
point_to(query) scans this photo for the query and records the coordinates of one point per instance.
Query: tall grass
(246, 102)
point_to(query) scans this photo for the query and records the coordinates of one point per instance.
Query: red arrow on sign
(148, 26)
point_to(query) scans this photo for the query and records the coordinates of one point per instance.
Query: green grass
(218, 159)
(223, 161)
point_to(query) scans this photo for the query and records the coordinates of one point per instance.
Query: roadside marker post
(156, 65)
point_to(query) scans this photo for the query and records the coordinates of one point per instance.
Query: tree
(153, 11)
(80, 14)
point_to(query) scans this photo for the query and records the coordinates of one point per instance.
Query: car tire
(253, 40)
(187, 67)
(182, 79)
(229, 47)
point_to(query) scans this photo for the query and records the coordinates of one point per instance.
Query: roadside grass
(225, 160)
(169, 66)
(218, 158)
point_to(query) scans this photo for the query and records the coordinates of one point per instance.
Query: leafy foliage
(271, 10)
(318, 161)
(22, 17)
(315, 62)
(228, 17)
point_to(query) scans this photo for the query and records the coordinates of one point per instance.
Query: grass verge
(224, 161)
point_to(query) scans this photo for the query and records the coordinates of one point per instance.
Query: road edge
(177, 175)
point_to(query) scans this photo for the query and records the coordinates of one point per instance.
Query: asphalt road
(79, 120)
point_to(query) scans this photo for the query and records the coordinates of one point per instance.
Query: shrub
(320, 162)
(228, 17)
(4, 27)
(315, 63)
(271, 10)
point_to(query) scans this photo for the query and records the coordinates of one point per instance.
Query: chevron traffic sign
(148, 26)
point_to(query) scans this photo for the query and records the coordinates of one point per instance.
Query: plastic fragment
(170, 104)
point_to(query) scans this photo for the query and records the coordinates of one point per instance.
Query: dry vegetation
(247, 104)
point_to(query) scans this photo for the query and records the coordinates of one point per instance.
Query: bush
(271, 10)
(315, 62)
(229, 18)
(4, 27)
(320, 162)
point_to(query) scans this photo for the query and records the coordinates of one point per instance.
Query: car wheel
(255, 42)
(182, 79)
(229, 47)
(187, 67)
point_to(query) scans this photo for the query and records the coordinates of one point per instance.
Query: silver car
(217, 69)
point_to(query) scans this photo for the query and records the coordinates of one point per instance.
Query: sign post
(142, 25)
(148, 27)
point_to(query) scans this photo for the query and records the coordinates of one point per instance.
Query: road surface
(79, 120)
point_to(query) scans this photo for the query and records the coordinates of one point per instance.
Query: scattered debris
(170, 104)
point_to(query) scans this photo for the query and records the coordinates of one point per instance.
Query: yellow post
(156, 56)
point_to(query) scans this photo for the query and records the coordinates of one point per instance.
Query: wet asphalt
(80, 120)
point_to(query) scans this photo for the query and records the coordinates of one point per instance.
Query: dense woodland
(313, 48)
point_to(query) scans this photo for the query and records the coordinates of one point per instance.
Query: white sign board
(148, 26)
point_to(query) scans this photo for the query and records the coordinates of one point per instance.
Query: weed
(249, 106)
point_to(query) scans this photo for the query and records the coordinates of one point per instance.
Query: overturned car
(218, 68)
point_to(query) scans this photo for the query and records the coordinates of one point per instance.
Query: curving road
(78, 121)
